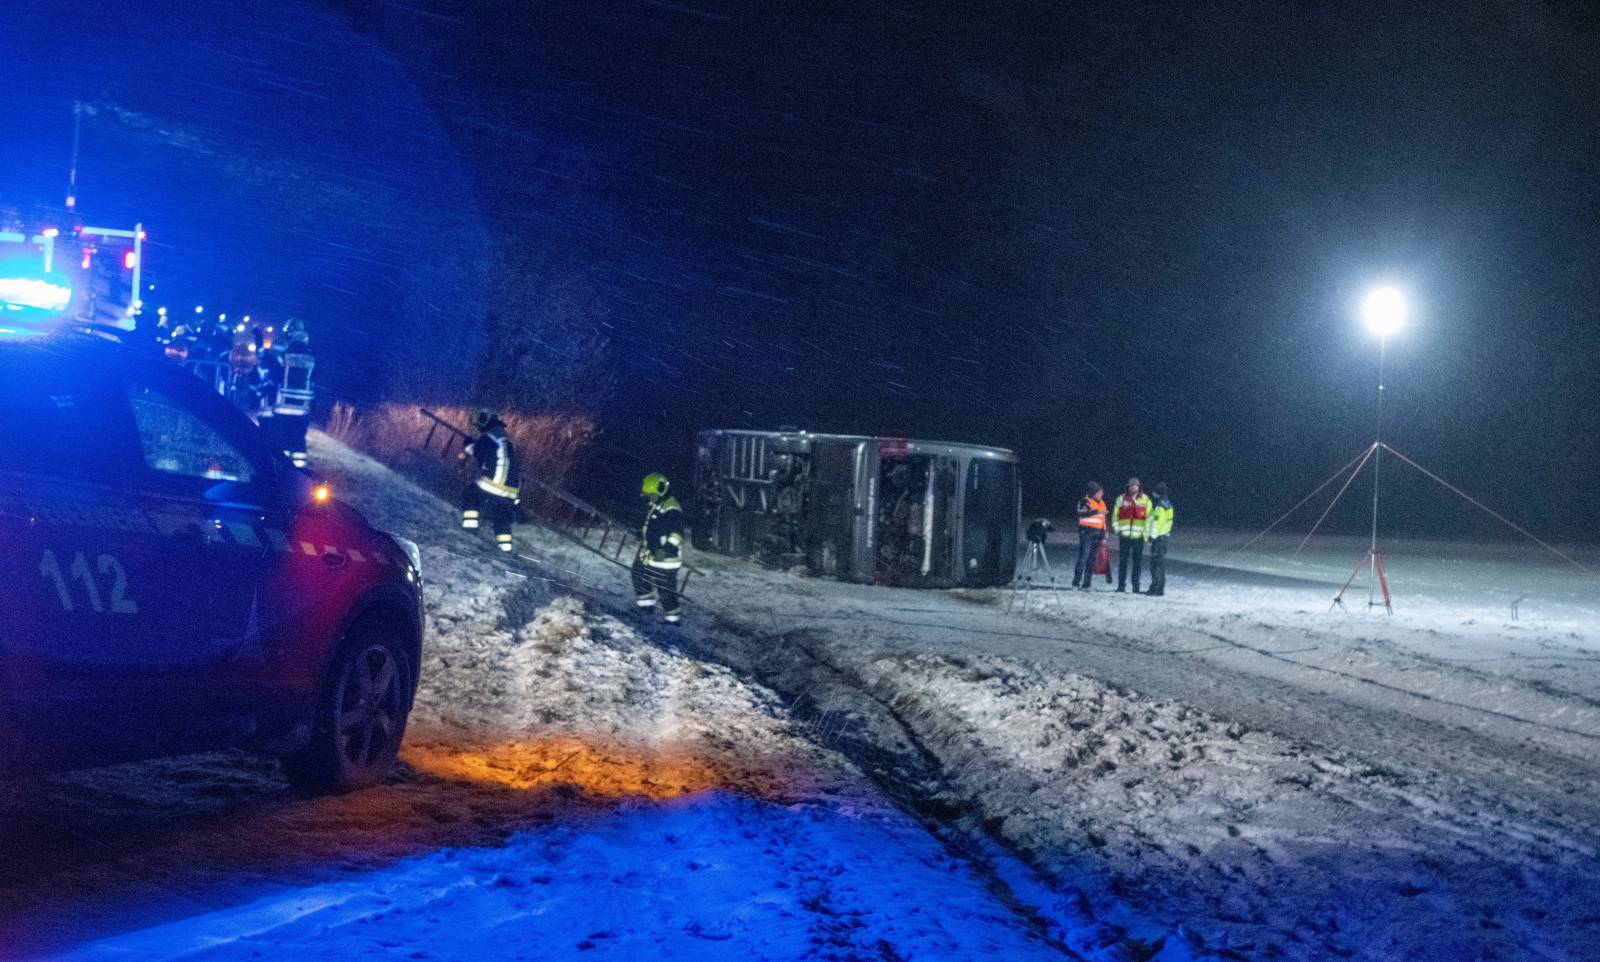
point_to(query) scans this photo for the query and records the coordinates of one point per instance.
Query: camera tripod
(1035, 566)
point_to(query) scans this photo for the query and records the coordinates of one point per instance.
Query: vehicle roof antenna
(72, 171)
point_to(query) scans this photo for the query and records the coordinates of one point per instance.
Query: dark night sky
(1114, 239)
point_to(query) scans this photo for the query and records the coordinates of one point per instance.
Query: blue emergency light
(30, 295)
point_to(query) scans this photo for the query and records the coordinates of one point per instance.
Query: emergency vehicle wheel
(361, 719)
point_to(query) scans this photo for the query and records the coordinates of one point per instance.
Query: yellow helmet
(656, 484)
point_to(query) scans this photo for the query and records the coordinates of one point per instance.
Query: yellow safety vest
(1161, 519)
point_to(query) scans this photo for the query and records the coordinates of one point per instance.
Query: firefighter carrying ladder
(554, 508)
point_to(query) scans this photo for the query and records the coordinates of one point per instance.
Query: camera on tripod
(1034, 566)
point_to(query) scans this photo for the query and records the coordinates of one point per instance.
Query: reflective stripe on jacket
(498, 490)
(1131, 518)
(498, 472)
(1161, 518)
(661, 540)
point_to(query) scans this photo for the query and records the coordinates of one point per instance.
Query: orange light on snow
(322, 493)
(596, 766)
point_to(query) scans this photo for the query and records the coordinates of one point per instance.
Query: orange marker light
(322, 494)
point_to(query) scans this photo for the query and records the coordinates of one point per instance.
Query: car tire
(361, 715)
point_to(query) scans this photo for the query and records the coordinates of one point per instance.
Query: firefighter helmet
(655, 483)
(481, 419)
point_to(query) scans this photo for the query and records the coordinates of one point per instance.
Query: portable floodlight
(1384, 311)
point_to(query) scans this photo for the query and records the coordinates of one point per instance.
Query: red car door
(76, 599)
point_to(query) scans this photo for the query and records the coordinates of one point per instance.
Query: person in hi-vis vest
(1130, 519)
(1161, 514)
(492, 495)
(1091, 534)
(656, 566)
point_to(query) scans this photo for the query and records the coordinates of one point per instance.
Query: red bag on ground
(1102, 560)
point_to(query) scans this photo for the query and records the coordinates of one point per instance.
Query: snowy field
(810, 769)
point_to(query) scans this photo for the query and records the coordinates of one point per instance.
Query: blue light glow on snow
(711, 876)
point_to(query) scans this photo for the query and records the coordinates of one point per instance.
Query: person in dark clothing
(1161, 514)
(1091, 534)
(254, 386)
(492, 495)
(656, 566)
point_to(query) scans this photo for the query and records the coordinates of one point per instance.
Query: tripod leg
(1338, 599)
(1026, 578)
(1383, 580)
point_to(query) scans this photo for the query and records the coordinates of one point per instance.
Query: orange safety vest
(1096, 520)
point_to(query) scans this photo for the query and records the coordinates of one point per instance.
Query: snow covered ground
(810, 769)
(570, 786)
(1278, 779)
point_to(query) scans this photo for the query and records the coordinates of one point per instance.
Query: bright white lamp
(1384, 311)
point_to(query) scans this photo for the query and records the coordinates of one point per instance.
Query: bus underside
(875, 510)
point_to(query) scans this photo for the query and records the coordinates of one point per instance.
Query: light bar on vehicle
(34, 294)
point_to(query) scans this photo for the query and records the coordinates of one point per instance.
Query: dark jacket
(496, 457)
(662, 539)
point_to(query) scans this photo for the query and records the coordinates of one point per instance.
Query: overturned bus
(878, 510)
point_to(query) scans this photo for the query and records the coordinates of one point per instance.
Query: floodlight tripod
(1378, 579)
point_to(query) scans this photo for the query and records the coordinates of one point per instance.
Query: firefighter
(492, 495)
(1091, 534)
(1160, 532)
(1130, 518)
(254, 386)
(219, 339)
(655, 567)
